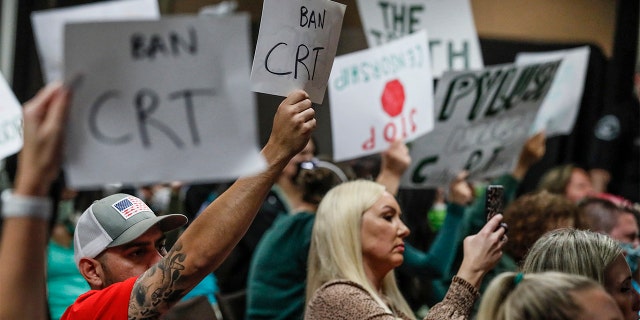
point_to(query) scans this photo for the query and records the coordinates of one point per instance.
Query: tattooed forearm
(159, 287)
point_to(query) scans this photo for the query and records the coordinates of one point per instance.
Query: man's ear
(91, 270)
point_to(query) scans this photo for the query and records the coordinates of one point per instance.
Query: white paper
(453, 39)
(482, 119)
(561, 106)
(379, 95)
(48, 27)
(131, 121)
(10, 121)
(296, 46)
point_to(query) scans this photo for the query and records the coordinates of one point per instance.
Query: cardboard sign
(296, 46)
(10, 121)
(161, 101)
(453, 39)
(380, 94)
(48, 27)
(482, 121)
(560, 108)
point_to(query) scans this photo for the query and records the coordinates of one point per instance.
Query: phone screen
(493, 204)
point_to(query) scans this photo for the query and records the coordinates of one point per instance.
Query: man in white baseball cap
(119, 241)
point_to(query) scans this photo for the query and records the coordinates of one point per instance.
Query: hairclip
(518, 278)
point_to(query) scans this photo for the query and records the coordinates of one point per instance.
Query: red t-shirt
(111, 302)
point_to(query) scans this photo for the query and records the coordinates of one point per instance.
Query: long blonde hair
(534, 296)
(336, 249)
(572, 251)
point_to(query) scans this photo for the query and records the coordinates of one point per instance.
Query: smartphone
(493, 203)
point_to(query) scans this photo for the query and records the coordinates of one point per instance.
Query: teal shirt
(278, 272)
(64, 281)
(439, 258)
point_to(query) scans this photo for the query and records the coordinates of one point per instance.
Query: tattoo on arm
(158, 288)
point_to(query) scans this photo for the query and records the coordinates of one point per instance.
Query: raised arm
(395, 162)
(482, 252)
(210, 238)
(439, 258)
(24, 233)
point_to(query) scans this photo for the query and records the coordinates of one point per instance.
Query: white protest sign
(560, 108)
(296, 46)
(380, 94)
(482, 121)
(10, 121)
(48, 27)
(163, 101)
(453, 39)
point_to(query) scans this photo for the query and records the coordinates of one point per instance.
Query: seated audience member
(123, 259)
(532, 215)
(26, 210)
(568, 180)
(589, 254)
(357, 242)
(617, 219)
(277, 276)
(546, 296)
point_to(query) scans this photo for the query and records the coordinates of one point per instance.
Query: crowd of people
(308, 238)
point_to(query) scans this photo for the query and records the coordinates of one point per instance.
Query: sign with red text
(160, 101)
(453, 40)
(482, 119)
(10, 121)
(48, 27)
(296, 46)
(560, 108)
(379, 95)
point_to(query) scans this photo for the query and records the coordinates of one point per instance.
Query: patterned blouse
(344, 299)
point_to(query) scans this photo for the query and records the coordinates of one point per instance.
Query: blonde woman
(546, 296)
(357, 241)
(589, 254)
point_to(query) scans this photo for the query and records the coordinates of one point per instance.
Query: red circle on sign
(393, 98)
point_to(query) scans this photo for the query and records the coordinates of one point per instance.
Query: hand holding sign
(296, 53)
(292, 126)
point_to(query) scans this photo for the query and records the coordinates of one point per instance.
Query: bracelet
(17, 206)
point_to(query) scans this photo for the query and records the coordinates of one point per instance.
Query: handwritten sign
(48, 26)
(296, 46)
(380, 94)
(560, 108)
(161, 101)
(10, 121)
(453, 40)
(482, 121)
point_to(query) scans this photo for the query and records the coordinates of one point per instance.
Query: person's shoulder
(113, 299)
(336, 290)
(343, 299)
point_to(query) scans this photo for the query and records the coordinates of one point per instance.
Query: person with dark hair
(532, 215)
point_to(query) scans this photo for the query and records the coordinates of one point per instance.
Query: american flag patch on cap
(130, 206)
